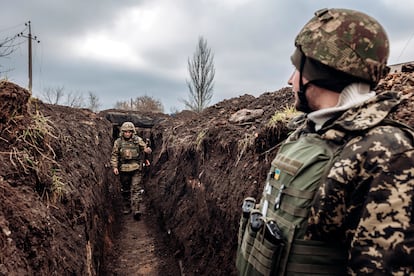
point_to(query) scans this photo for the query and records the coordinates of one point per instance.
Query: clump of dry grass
(32, 152)
(200, 138)
(284, 116)
(244, 144)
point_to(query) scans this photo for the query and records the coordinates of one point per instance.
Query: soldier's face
(294, 82)
(317, 98)
(127, 134)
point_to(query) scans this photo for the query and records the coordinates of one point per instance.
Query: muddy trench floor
(140, 249)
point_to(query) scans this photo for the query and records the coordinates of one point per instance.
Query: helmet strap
(303, 101)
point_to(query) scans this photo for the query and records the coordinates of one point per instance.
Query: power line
(8, 44)
(11, 27)
(405, 47)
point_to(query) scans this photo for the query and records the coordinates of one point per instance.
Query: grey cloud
(251, 43)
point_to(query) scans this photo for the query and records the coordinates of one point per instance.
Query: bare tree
(142, 103)
(7, 46)
(57, 95)
(149, 104)
(201, 69)
(124, 105)
(75, 99)
(93, 102)
(53, 95)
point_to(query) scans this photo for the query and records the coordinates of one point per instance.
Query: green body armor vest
(129, 155)
(271, 237)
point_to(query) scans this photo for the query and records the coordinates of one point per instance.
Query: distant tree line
(58, 96)
(142, 103)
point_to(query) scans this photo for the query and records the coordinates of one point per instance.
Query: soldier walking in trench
(126, 161)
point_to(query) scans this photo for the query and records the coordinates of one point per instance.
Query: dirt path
(139, 250)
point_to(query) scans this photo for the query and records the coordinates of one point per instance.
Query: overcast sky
(123, 49)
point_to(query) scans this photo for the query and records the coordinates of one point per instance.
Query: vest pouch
(129, 153)
(247, 207)
(243, 225)
(129, 167)
(242, 228)
(259, 252)
(245, 247)
(282, 255)
(248, 237)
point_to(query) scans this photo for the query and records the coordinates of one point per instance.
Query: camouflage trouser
(131, 189)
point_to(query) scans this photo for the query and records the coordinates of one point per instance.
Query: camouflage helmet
(128, 126)
(348, 41)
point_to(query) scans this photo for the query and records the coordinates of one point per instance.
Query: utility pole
(30, 38)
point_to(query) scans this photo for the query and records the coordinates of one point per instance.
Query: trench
(139, 247)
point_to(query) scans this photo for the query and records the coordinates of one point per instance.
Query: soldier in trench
(127, 162)
(347, 207)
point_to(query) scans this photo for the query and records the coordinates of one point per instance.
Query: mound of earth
(59, 201)
(56, 207)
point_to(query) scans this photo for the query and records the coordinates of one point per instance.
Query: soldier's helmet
(348, 41)
(128, 126)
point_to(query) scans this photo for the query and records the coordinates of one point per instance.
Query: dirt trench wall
(56, 190)
(203, 167)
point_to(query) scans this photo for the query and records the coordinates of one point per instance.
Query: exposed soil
(140, 249)
(59, 201)
(56, 207)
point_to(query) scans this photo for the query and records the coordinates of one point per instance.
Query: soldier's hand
(148, 150)
(116, 172)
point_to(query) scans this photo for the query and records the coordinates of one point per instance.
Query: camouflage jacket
(127, 154)
(366, 201)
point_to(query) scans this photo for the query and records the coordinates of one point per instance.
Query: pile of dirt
(55, 199)
(59, 199)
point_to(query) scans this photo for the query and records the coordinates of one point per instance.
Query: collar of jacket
(368, 114)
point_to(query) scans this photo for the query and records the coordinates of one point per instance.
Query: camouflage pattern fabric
(132, 190)
(130, 169)
(367, 199)
(137, 144)
(354, 43)
(136, 192)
